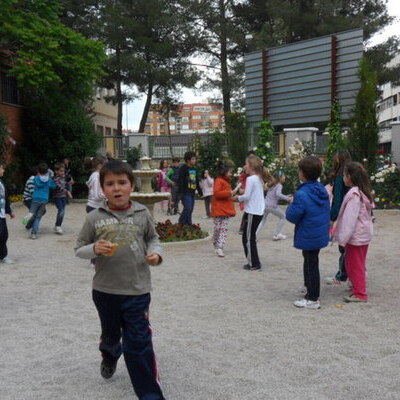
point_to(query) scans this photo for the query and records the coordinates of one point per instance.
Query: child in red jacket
(222, 207)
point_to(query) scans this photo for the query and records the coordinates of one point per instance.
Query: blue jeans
(38, 210)
(127, 317)
(188, 206)
(60, 204)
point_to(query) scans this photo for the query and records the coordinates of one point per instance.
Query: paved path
(221, 333)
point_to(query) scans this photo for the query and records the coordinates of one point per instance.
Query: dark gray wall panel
(298, 86)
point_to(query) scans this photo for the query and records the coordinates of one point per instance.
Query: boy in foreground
(120, 235)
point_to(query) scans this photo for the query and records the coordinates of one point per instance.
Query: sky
(133, 111)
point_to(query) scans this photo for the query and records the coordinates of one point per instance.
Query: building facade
(188, 118)
(388, 110)
(105, 117)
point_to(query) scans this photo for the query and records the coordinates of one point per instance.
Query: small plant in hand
(169, 232)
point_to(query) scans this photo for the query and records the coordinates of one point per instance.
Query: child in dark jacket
(310, 213)
(4, 209)
(339, 190)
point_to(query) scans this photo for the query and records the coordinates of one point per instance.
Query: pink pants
(355, 257)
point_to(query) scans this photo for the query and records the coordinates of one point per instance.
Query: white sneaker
(220, 253)
(58, 230)
(280, 236)
(27, 218)
(303, 303)
(7, 260)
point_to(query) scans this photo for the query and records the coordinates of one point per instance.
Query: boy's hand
(153, 258)
(69, 194)
(234, 198)
(12, 215)
(241, 191)
(102, 247)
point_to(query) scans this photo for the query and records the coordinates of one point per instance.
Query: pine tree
(364, 132)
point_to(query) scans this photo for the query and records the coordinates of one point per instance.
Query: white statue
(296, 151)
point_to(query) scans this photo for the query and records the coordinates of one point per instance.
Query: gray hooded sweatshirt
(127, 271)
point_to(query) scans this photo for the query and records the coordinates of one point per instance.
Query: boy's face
(1, 170)
(117, 189)
(175, 164)
(192, 162)
(60, 172)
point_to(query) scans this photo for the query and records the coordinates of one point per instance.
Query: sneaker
(107, 368)
(332, 281)
(58, 230)
(255, 268)
(304, 303)
(7, 260)
(280, 236)
(246, 267)
(240, 232)
(353, 299)
(33, 236)
(219, 252)
(26, 219)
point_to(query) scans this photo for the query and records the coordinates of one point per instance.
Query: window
(100, 129)
(196, 117)
(185, 119)
(115, 132)
(395, 100)
(108, 131)
(9, 89)
(185, 126)
(213, 116)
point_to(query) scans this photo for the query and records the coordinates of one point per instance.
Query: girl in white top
(207, 184)
(275, 194)
(96, 195)
(254, 205)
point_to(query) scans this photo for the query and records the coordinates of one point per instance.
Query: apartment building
(188, 118)
(105, 114)
(388, 110)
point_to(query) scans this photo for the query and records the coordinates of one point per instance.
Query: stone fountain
(146, 196)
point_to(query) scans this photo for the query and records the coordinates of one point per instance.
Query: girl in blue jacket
(310, 213)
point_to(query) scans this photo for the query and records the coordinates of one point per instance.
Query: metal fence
(161, 146)
(167, 146)
(116, 145)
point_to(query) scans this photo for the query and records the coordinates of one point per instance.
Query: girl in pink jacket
(354, 228)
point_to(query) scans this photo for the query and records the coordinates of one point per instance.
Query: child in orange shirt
(222, 207)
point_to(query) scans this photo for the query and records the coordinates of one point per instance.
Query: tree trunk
(119, 94)
(226, 92)
(146, 108)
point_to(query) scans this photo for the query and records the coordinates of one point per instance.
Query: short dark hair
(311, 167)
(222, 168)
(117, 168)
(189, 155)
(42, 168)
(58, 166)
(176, 160)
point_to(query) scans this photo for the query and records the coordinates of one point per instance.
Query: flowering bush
(169, 232)
(386, 184)
(265, 146)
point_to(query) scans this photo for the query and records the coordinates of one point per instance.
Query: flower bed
(170, 232)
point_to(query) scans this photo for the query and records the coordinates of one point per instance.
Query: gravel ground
(221, 333)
